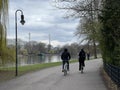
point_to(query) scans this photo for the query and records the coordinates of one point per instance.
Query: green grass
(8, 73)
(40, 66)
(36, 66)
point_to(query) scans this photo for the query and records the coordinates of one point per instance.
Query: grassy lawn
(9, 73)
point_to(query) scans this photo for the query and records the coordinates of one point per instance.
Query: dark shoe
(83, 65)
(63, 70)
(79, 69)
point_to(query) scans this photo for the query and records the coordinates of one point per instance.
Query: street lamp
(22, 22)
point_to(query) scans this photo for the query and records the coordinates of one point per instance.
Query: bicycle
(65, 69)
(82, 67)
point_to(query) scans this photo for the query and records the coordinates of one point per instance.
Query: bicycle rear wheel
(65, 69)
(82, 67)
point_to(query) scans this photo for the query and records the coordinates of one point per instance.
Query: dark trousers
(63, 63)
(81, 62)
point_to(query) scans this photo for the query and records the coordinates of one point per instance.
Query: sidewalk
(53, 79)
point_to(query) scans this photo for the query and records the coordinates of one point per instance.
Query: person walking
(88, 56)
(82, 57)
(65, 56)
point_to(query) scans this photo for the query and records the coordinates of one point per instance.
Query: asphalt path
(53, 79)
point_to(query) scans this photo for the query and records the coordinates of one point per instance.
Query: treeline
(36, 48)
(99, 24)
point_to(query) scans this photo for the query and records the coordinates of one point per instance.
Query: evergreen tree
(110, 31)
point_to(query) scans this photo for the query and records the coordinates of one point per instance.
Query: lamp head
(22, 20)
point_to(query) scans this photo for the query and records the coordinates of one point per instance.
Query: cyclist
(65, 56)
(82, 57)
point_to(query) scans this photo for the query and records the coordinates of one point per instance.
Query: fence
(113, 72)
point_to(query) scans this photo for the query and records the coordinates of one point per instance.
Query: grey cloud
(41, 20)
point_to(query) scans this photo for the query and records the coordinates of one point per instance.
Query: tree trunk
(95, 49)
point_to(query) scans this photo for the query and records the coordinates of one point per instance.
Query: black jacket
(82, 55)
(65, 56)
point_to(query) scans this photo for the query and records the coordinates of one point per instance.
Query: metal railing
(113, 72)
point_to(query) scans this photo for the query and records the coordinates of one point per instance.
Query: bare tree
(88, 11)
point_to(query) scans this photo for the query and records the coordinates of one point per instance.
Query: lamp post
(22, 22)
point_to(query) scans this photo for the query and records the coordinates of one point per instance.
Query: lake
(33, 59)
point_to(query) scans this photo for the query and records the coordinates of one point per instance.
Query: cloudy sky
(42, 20)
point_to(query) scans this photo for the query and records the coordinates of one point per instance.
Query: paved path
(53, 79)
